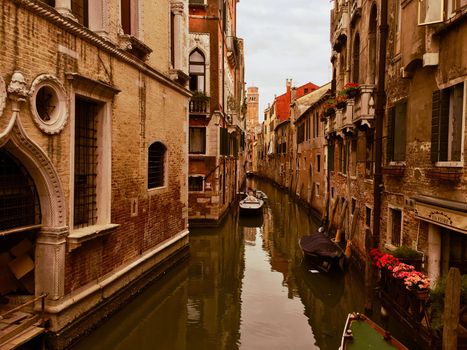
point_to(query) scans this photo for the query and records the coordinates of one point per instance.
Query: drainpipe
(379, 115)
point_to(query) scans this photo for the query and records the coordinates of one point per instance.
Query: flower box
(445, 173)
(394, 170)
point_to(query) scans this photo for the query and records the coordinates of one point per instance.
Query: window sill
(157, 190)
(79, 236)
(448, 173)
(449, 164)
(393, 169)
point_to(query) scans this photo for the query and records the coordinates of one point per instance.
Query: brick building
(309, 166)
(93, 152)
(423, 198)
(217, 115)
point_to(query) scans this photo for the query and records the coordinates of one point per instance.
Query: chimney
(288, 84)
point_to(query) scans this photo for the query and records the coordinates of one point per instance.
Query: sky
(284, 39)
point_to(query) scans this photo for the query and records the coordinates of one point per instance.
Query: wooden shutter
(435, 116)
(444, 125)
(390, 142)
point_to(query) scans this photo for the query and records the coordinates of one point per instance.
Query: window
(369, 155)
(197, 71)
(368, 216)
(317, 189)
(353, 206)
(86, 163)
(398, 9)
(395, 226)
(19, 201)
(197, 142)
(300, 133)
(430, 11)
(80, 10)
(454, 5)
(356, 59)
(353, 158)
(195, 183)
(224, 142)
(396, 132)
(318, 163)
(172, 39)
(331, 157)
(447, 125)
(129, 16)
(315, 125)
(156, 165)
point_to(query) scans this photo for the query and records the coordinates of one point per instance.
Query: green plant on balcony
(199, 96)
(329, 107)
(341, 100)
(351, 89)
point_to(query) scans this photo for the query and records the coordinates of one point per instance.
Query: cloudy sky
(284, 39)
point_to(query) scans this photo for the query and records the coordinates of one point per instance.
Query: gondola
(322, 252)
(362, 333)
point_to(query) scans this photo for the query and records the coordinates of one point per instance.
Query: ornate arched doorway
(20, 221)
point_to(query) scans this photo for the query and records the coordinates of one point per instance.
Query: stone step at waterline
(15, 324)
(23, 337)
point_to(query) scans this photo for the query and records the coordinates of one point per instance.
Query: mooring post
(368, 272)
(452, 299)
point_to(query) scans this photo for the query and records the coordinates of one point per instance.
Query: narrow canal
(243, 287)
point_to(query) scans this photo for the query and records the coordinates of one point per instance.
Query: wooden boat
(261, 195)
(251, 205)
(323, 252)
(362, 333)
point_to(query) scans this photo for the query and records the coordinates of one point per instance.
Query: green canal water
(244, 286)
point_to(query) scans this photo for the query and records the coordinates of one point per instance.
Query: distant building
(252, 119)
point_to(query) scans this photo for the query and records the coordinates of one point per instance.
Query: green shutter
(444, 125)
(390, 142)
(435, 116)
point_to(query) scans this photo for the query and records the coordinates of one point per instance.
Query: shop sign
(451, 219)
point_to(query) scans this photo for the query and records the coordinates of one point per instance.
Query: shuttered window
(446, 124)
(224, 142)
(197, 142)
(156, 165)
(396, 132)
(331, 157)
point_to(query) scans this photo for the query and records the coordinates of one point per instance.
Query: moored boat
(261, 195)
(251, 205)
(323, 252)
(362, 333)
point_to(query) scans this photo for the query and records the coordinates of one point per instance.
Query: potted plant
(351, 89)
(329, 107)
(409, 256)
(417, 283)
(341, 99)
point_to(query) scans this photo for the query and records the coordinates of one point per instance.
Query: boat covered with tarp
(323, 252)
(251, 205)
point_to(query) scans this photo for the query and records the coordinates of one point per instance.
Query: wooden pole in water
(348, 251)
(331, 217)
(341, 222)
(451, 309)
(368, 272)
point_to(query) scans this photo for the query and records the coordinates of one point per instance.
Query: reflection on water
(244, 286)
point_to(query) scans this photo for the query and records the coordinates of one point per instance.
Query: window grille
(19, 202)
(156, 165)
(85, 190)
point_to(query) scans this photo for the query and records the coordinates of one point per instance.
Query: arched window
(356, 59)
(19, 202)
(197, 71)
(156, 165)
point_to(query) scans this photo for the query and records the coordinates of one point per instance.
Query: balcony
(341, 25)
(199, 104)
(355, 11)
(362, 107)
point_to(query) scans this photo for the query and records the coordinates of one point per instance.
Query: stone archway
(50, 242)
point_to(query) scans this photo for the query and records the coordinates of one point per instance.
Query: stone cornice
(51, 15)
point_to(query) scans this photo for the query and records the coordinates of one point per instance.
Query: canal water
(244, 286)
